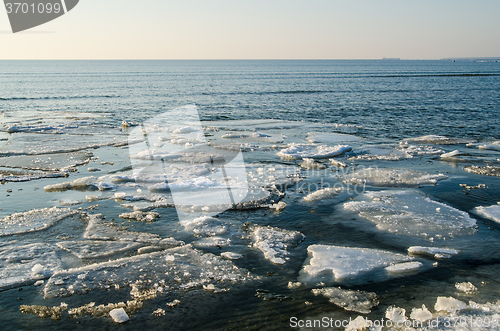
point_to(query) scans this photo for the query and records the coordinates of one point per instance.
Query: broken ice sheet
(93, 249)
(488, 170)
(275, 243)
(392, 177)
(339, 263)
(27, 263)
(440, 140)
(358, 301)
(491, 212)
(413, 214)
(380, 152)
(99, 228)
(298, 151)
(332, 138)
(180, 268)
(46, 162)
(33, 220)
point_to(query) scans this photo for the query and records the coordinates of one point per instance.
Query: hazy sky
(270, 29)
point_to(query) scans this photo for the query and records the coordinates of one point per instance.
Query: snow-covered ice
(300, 151)
(347, 262)
(323, 194)
(436, 252)
(96, 248)
(405, 267)
(80, 183)
(412, 213)
(491, 212)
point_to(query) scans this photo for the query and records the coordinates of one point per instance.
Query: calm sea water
(384, 101)
(389, 99)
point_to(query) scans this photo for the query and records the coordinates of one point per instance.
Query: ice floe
(493, 145)
(99, 228)
(436, 252)
(412, 213)
(300, 151)
(421, 314)
(80, 183)
(207, 226)
(488, 170)
(311, 164)
(275, 243)
(439, 140)
(449, 304)
(20, 264)
(379, 152)
(48, 162)
(358, 301)
(347, 262)
(323, 194)
(405, 267)
(450, 154)
(141, 216)
(332, 138)
(30, 177)
(96, 248)
(392, 177)
(119, 315)
(491, 212)
(466, 287)
(33, 220)
(181, 268)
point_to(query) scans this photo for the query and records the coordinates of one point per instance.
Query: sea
(250, 194)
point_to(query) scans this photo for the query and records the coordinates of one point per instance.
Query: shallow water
(65, 117)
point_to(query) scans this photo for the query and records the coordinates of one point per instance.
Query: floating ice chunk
(80, 183)
(323, 194)
(405, 267)
(49, 162)
(415, 150)
(66, 202)
(412, 213)
(100, 229)
(280, 206)
(494, 145)
(359, 323)
(337, 163)
(311, 164)
(231, 255)
(449, 304)
(190, 270)
(450, 154)
(332, 138)
(491, 212)
(292, 285)
(358, 301)
(487, 170)
(119, 315)
(33, 220)
(127, 124)
(99, 248)
(421, 314)
(466, 287)
(298, 151)
(23, 264)
(348, 262)
(396, 314)
(93, 169)
(432, 251)
(214, 241)
(159, 312)
(206, 226)
(392, 177)
(380, 152)
(38, 283)
(102, 186)
(440, 140)
(30, 177)
(141, 216)
(275, 242)
(186, 129)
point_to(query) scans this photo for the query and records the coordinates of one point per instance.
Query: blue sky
(272, 29)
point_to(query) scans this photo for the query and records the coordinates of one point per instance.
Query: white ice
(181, 268)
(119, 315)
(33, 220)
(358, 301)
(405, 267)
(412, 213)
(436, 252)
(323, 194)
(347, 262)
(392, 177)
(299, 151)
(380, 152)
(491, 212)
(20, 264)
(96, 248)
(80, 183)
(275, 243)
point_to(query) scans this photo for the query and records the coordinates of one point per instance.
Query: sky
(270, 29)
